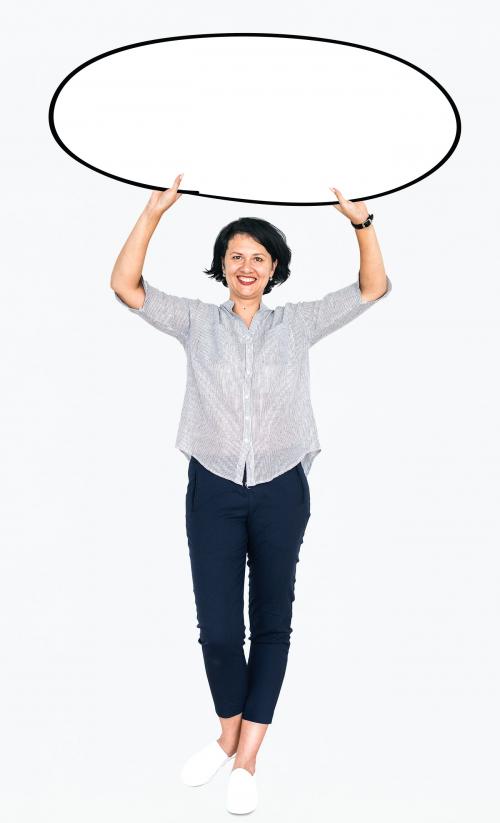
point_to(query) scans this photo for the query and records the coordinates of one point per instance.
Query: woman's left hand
(356, 212)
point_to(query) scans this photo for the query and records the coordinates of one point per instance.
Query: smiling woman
(248, 431)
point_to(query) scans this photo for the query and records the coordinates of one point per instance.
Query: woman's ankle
(230, 745)
(243, 763)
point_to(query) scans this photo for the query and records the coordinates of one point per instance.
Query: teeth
(247, 279)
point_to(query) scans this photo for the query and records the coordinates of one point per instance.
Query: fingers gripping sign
(160, 201)
(355, 212)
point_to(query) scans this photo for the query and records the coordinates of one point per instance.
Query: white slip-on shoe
(203, 765)
(241, 795)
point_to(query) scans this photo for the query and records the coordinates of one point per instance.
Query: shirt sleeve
(166, 312)
(334, 310)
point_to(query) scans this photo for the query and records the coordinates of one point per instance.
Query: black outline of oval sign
(252, 34)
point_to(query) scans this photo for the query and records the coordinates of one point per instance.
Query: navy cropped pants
(229, 526)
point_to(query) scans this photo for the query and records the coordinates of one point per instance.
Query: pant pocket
(305, 488)
(300, 483)
(191, 490)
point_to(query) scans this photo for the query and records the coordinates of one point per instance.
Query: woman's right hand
(160, 201)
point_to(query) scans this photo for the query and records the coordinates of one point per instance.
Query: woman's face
(247, 258)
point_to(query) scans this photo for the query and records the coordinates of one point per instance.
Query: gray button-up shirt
(247, 398)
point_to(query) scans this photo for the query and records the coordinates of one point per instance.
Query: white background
(389, 708)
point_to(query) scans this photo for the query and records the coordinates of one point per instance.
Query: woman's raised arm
(127, 271)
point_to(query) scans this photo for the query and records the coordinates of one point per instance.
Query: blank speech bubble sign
(258, 118)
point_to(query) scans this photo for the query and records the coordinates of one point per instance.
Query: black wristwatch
(364, 225)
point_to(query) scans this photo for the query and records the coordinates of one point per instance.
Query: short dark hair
(267, 235)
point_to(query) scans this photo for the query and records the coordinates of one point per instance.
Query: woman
(248, 431)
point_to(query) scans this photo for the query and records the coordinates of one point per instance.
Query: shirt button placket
(246, 398)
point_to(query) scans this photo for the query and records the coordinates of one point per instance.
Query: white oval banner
(261, 118)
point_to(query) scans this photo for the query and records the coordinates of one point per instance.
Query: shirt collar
(228, 304)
